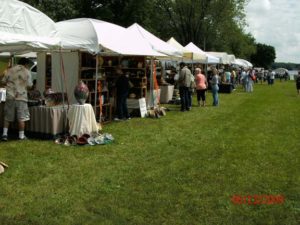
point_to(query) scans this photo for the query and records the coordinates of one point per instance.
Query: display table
(45, 122)
(166, 93)
(82, 120)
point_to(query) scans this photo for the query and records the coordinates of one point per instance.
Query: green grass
(180, 169)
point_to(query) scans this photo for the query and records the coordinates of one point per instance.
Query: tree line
(212, 25)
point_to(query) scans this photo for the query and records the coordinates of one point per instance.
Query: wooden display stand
(99, 93)
(133, 66)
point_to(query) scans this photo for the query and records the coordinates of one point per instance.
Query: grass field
(183, 168)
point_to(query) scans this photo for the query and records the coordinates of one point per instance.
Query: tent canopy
(223, 56)
(98, 36)
(281, 71)
(187, 55)
(207, 58)
(23, 28)
(242, 63)
(156, 43)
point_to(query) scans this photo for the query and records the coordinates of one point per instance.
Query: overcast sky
(276, 23)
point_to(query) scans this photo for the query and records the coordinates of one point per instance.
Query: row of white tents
(24, 28)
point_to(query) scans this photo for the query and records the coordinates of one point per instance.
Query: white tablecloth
(82, 119)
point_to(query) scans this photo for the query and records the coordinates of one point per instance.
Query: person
(17, 80)
(250, 81)
(215, 87)
(271, 77)
(191, 90)
(244, 78)
(184, 82)
(122, 89)
(201, 86)
(298, 83)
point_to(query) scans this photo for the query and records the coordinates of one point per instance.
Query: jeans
(185, 99)
(214, 90)
(122, 106)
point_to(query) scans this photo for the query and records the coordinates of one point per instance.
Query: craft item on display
(140, 65)
(47, 92)
(124, 63)
(55, 98)
(34, 98)
(100, 61)
(81, 92)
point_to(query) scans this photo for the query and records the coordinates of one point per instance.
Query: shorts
(13, 107)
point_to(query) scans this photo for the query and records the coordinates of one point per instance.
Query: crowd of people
(199, 83)
(17, 80)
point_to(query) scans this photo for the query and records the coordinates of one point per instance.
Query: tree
(210, 24)
(213, 25)
(264, 57)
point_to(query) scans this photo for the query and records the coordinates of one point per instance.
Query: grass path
(180, 169)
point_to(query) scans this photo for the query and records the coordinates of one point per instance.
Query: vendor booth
(116, 47)
(25, 29)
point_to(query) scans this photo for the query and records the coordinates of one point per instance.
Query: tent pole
(151, 84)
(96, 91)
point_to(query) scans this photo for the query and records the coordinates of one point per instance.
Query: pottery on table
(81, 92)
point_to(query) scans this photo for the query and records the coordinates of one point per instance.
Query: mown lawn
(180, 169)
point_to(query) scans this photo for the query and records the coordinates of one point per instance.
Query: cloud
(276, 23)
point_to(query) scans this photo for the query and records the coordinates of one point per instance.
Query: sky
(276, 23)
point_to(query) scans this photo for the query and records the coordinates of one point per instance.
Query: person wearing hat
(122, 89)
(16, 80)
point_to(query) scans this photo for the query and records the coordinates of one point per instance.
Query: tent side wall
(41, 71)
(71, 68)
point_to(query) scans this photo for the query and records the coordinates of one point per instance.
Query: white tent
(23, 28)
(242, 63)
(99, 36)
(231, 58)
(223, 56)
(207, 58)
(156, 43)
(187, 54)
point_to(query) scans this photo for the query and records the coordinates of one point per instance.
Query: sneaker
(24, 138)
(4, 138)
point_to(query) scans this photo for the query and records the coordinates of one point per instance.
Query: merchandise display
(81, 92)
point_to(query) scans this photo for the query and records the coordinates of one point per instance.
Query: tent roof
(242, 63)
(99, 36)
(223, 56)
(156, 43)
(207, 58)
(186, 53)
(23, 27)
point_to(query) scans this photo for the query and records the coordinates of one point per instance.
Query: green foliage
(180, 169)
(264, 57)
(213, 25)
